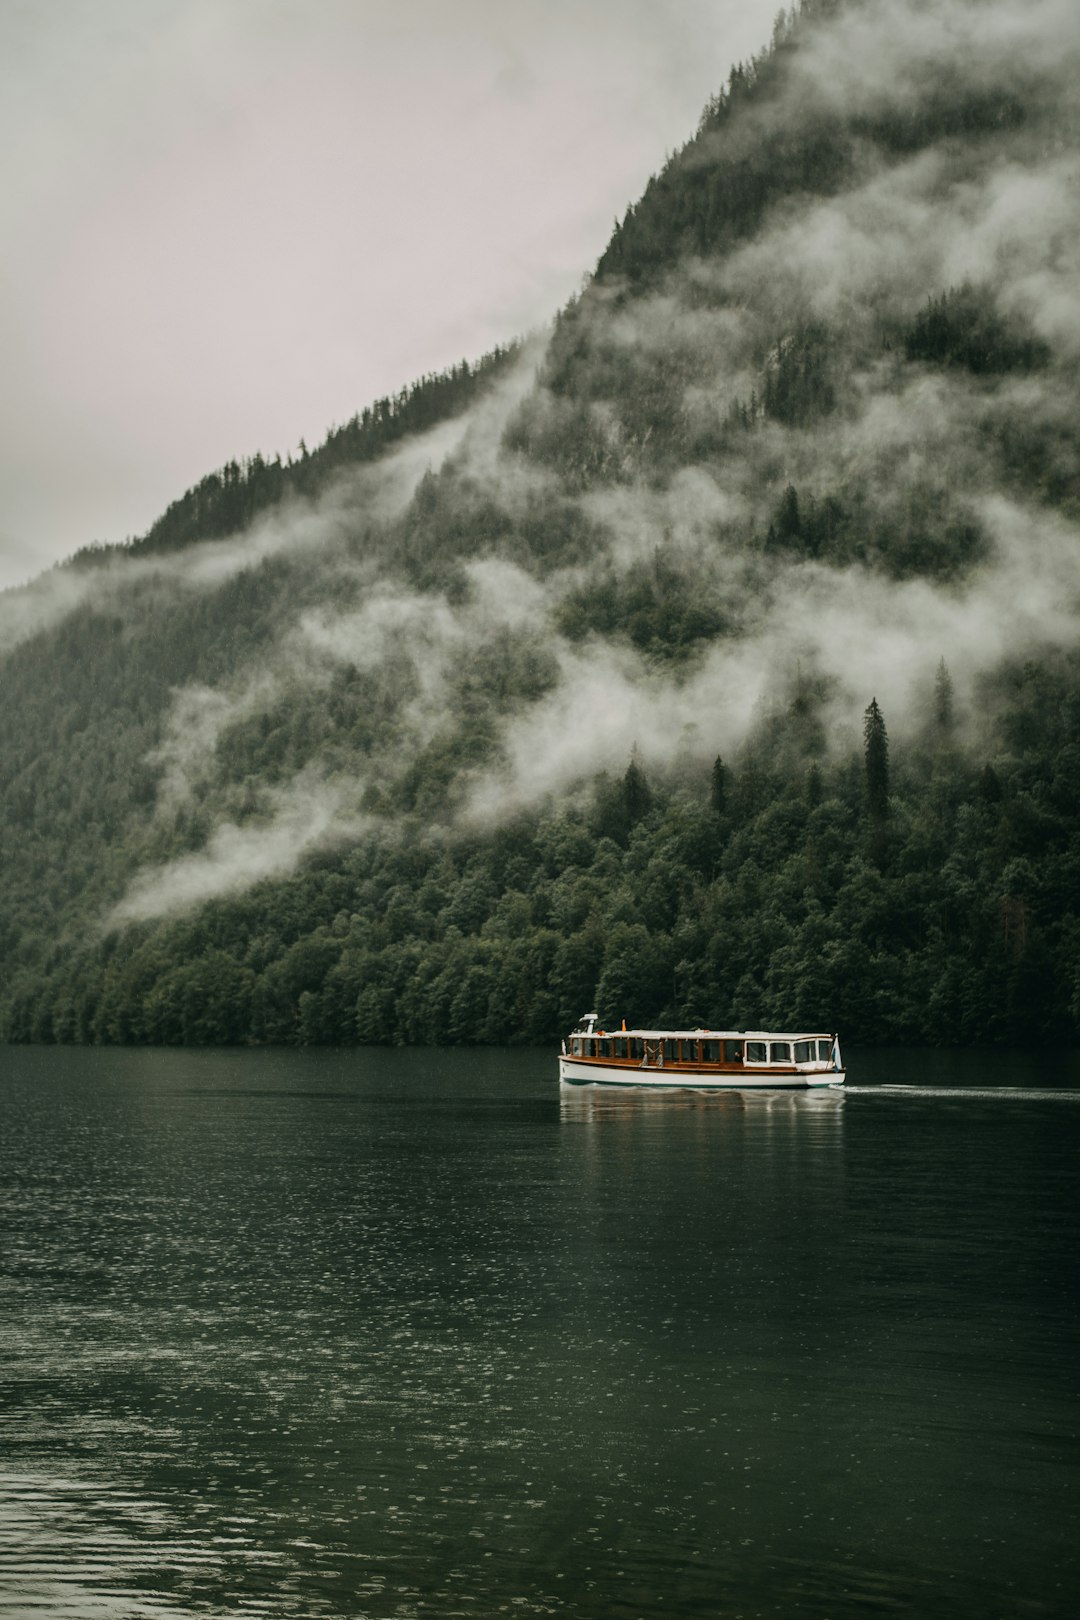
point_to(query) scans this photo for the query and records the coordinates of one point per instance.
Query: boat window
(756, 1052)
(805, 1051)
(671, 1051)
(619, 1047)
(637, 1049)
(733, 1051)
(710, 1051)
(604, 1048)
(590, 1048)
(824, 1051)
(780, 1051)
(575, 1048)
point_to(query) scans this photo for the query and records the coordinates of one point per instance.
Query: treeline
(917, 893)
(714, 191)
(226, 501)
(757, 144)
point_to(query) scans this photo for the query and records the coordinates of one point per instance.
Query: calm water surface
(409, 1334)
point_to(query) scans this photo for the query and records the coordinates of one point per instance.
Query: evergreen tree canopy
(340, 749)
(876, 757)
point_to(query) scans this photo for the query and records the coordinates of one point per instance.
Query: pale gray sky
(228, 224)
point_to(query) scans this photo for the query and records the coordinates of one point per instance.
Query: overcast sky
(228, 224)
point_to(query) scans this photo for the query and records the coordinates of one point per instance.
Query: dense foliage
(348, 775)
(963, 327)
(939, 904)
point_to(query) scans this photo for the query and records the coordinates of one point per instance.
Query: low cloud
(897, 443)
(26, 610)
(868, 635)
(422, 634)
(306, 815)
(894, 56)
(371, 493)
(197, 719)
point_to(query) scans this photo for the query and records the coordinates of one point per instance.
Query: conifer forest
(710, 659)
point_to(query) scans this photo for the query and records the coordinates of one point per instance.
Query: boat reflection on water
(586, 1105)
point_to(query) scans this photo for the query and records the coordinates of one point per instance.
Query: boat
(700, 1059)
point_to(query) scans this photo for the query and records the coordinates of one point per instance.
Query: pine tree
(944, 714)
(788, 519)
(876, 754)
(636, 794)
(719, 787)
(989, 785)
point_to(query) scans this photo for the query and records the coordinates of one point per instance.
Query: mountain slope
(418, 738)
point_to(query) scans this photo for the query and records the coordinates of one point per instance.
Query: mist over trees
(554, 681)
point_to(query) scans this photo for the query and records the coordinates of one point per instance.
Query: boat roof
(709, 1034)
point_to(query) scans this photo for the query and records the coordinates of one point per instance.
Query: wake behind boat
(699, 1058)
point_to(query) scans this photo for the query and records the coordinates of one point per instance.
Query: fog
(377, 492)
(306, 815)
(904, 443)
(228, 225)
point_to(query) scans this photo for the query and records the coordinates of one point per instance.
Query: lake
(383, 1333)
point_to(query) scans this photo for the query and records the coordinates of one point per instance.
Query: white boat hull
(580, 1072)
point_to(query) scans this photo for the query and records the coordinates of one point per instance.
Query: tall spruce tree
(636, 793)
(944, 712)
(876, 754)
(718, 791)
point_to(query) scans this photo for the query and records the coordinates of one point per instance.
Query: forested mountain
(714, 659)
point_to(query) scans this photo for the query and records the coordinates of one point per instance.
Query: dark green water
(407, 1334)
